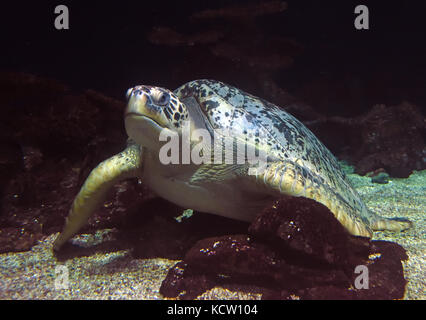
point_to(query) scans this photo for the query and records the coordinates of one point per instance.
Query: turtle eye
(163, 99)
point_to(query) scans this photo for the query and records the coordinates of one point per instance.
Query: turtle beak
(137, 105)
(143, 120)
(129, 93)
(140, 106)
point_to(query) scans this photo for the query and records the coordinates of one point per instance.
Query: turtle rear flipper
(391, 224)
(289, 178)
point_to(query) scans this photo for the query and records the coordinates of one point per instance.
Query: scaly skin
(301, 165)
(124, 165)
(298, 163)
(289, 178)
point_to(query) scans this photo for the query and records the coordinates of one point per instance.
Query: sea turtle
(297, 163)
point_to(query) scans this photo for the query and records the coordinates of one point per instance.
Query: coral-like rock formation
(295, 248)
(51, 138)
(391, 139)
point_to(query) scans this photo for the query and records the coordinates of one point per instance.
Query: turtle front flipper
(126, 164)
(289, 178)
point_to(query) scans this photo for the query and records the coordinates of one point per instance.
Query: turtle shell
(240, 115)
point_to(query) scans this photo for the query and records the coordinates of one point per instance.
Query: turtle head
(149, 111)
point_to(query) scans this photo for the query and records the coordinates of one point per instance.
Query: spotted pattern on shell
(282, 136)
(298, 164)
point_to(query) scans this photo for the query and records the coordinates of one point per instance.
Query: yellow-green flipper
(124, 165)
(297, 163)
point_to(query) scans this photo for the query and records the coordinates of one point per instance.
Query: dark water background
(339, 70)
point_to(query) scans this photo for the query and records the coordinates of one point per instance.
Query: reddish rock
(317, 261)
(18, 239)
(52, 138)
(388, 138)
(392, 138)
(308, 232)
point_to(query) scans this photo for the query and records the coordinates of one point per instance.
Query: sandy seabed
(36, 274)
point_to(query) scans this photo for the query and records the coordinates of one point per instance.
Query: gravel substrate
(117, 275)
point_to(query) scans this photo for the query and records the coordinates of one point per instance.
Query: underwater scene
(213, 150)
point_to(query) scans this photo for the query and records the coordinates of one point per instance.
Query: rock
(246, 11)
(309, 231)
(16, 240)
(317, 261)
(32, 157)
(391, 138)
(170, 37)
(381, 178)
(177, 285)
(52, 138)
